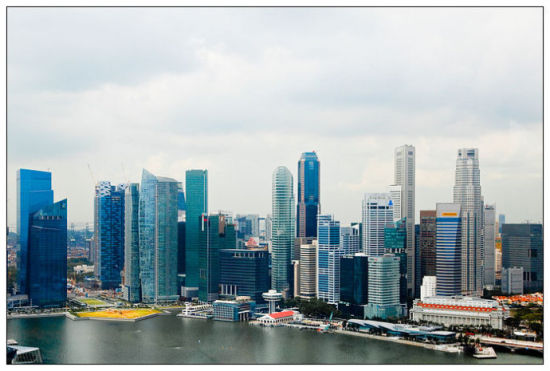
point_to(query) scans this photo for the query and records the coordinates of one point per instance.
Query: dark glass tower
(354, 277)
(34, 191)
(196, 192)
(308, 205)
(47, 263)
(243, 272)
(427, 242)
(395, 242)
(132, 284)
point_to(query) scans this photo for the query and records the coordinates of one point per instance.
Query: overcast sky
(240, 91)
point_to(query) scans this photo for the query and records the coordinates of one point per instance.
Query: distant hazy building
(34, 191)
(489, 246)
(467, 193)
(158, 237)
(328, 264)
(282, 229)
(404, 175)
(427, 242)
(512, 280)
(428, 288)
(522, 246)
(308, 270)
(132, 286)
(109, 233)
(448, 249)
(47, 255)
(501, 221)
(196, 192)
(377, 213)
(383, 286)
(308, 205)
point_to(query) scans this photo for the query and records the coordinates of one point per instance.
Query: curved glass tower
(282, 227)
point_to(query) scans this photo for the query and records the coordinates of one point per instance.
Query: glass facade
(384, 287)
(329, 254)
(308, 195)
(377, 213)
(283, 232)
(244, 272)
(354, 279)
(395, 242)
(47, 264)
(34, 191)
(131, 244)
(196, 191)
(448, 265)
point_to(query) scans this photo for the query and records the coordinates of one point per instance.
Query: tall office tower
(244, 272)
(308, 195)
(359, 230)
(308, 269)
(489, 246)
(467, 193)
(354, 270)
(522, 246)
(395, 194)
(196, 191)
(329, 254)
(395, 242)
(132, 287)
(427, 242)
(299, 241)
(384, 288)
(377, 212)
(109, 233)
(216, 234)
(448, 269)
(498, 259)
(501, 221)
(34, 191)
(158, 237)
(350, 240)
(417, 261)
(47, 253)
(405, 173)
(268, 227)
(282, 229)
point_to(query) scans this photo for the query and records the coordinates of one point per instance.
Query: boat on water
(484, 353)
(21, 355)
(449, 348)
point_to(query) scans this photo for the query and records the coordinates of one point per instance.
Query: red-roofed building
(278, 318)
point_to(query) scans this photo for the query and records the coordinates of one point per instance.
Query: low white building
(278, 318)
(428, 287)
(459, 311)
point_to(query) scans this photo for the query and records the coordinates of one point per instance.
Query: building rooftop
(286, 313)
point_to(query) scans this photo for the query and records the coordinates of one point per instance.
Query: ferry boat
(20, 355)
(484, 353)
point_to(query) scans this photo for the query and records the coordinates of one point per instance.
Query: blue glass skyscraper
(196, 192)
(109, 233)
(330, 252)
(448, 264)
(308, 195)
(34, 191)
(132, 287)
(158, 237)
(47, 253)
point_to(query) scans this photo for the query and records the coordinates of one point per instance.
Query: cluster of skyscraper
(159, 243)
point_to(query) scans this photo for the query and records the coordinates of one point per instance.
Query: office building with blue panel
(196, 204)
(308, 205)
(233, 310)
(158, 237)
(109, 233)
(47, 263)
(395, 242)
(34, 191)
(215, 234)
(329, 254)
(448, 249)
(132, 286)
(244, 272)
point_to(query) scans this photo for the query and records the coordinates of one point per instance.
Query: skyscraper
(308, 195)
(196, 191)
(427, 242)
(109, 233)
(383, 288)
(448, 249)
(282, 228)
(308, 269)
(489, 246)
(395, 242)
(132, 287)
(467, 193)
(405, 173)
(501, 221)
(47, 255)
(158, 233)
(34, 191)
(395, 194)
(377, 213)
(329, 254)
(350, 240)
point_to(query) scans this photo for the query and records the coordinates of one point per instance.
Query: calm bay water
(174, 340)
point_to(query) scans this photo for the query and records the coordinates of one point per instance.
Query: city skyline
(153, 115)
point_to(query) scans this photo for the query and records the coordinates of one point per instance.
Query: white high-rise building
(328, 259)
(467, 193)
(427, 290)
(489, 230)
(395, 194)
(308, 270)
(404, 171)
(377, 213)
(349, 240)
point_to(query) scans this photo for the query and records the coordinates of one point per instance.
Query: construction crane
(92, 174)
